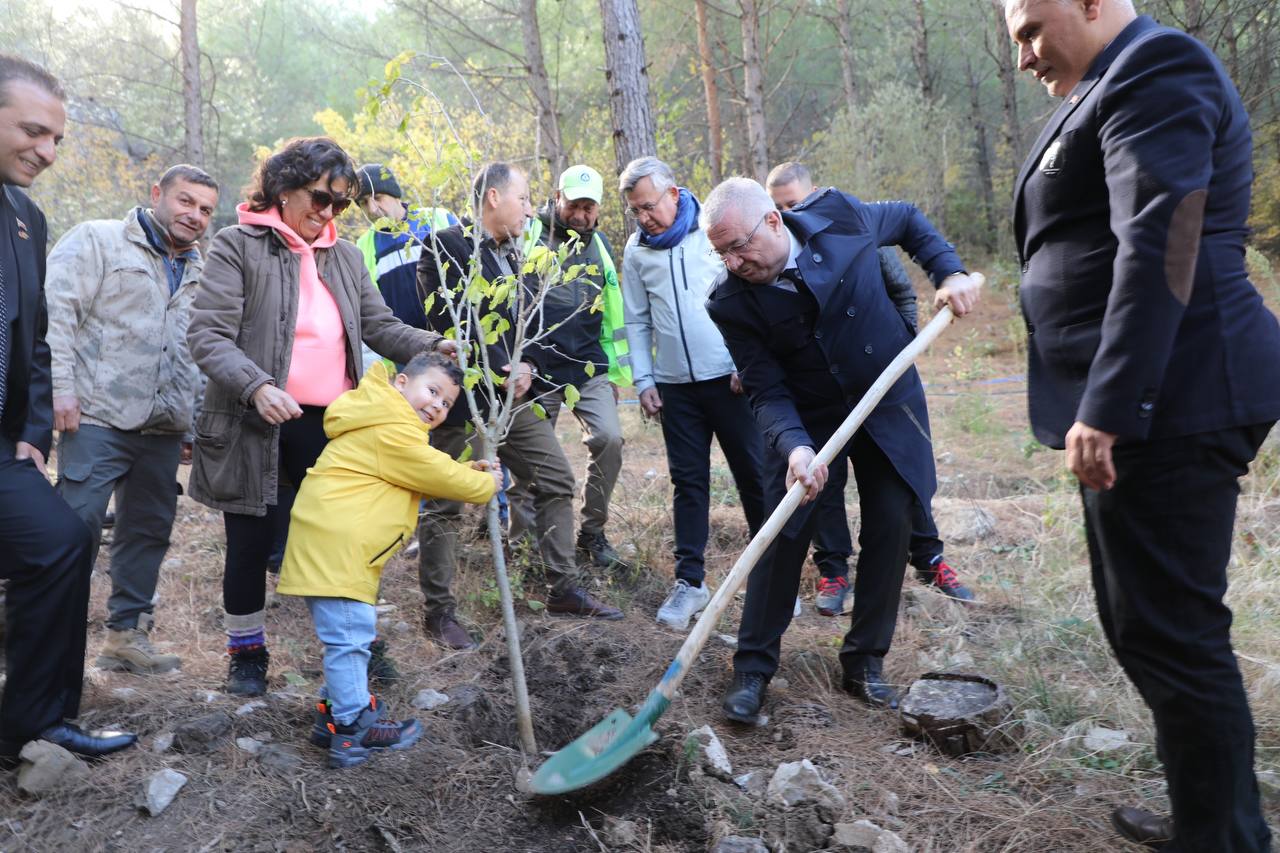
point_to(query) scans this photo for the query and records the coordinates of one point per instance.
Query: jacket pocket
(385, 552)
(219, 465)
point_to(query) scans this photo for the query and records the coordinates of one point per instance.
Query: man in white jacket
(682, 369)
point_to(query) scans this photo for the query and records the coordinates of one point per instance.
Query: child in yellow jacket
(355, 509)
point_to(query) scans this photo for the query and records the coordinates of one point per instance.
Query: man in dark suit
(804, 312)
(1154, 362)
(44, 548)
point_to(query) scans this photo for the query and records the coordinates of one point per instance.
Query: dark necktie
(792, 274)
(4, 341)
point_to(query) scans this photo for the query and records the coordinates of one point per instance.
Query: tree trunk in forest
(920, 52)
(192, 95)
(627, 76)
(845, 35)
(715, 140)
(540, 87)
(1006, 69)
(982, 153)
(753, 81)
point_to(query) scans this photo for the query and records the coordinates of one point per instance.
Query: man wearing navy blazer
(1154, 362)
(804, 312)
(44, 547)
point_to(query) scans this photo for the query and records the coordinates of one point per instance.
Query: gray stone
(249, 707)
(863, 836)
(712, 757)
(429, 699)
(728, 639)
(47, 767)
(284, 760)
(963, 524)
(1269, 785)
(890, 803)
(620, 833)
(1100, 739)
(798, 830)
(250, 745)
(161, 788)
(401, 628)
(798, 782)
(124, 694)
(754, 783)
(738, 844)
(162, 742)
(205, 697)
(203, 734)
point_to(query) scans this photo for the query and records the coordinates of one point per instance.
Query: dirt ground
(1034, 631)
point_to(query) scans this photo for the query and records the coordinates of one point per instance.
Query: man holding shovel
(804, 312)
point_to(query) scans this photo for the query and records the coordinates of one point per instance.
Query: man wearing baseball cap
(586, 350)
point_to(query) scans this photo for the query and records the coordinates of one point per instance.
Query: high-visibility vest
(436, 218)
(613, 329)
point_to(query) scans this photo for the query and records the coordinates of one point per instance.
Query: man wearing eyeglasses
(125, 387)
(682, 369)
(790, 184)
(804, 312)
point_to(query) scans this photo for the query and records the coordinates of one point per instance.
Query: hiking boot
(382, 668)
(867, 683)
(1142, 827)
(443, 627)
(130, 650)
(594, 549)
(684, 602)
(367, 734)
(247, 672)
(745, 697)
(945, 579)
(831, 594)
(576, 601)
(321, 717)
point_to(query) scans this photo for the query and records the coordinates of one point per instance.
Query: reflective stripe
(407, 254)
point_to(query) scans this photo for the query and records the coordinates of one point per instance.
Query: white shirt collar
(791, 263)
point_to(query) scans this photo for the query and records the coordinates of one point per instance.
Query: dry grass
(1036, 632)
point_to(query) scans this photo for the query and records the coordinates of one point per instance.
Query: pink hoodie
(318, 363)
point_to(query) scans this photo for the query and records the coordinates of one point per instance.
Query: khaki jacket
(241, 336)
(359, 504)
(117, 338)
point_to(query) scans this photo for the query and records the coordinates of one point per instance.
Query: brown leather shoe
(1142, 827)
(443, 627)
(576, 601)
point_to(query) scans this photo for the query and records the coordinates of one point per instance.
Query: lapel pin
(1075, 99)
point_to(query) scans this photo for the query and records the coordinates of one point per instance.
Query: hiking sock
(245, 632)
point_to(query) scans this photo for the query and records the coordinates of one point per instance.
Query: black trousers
(252, 538)
(1159, 544)
(46, 555)
(693, 412)
(833, 545)
(885, 501)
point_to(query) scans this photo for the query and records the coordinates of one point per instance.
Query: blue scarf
(686, 220)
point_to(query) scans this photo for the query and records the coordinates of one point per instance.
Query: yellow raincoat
(359, 504)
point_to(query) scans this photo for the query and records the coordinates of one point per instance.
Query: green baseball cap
(581, 182)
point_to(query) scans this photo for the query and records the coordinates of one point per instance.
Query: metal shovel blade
(605, 747)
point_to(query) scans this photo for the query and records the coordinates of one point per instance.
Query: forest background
(912, 99)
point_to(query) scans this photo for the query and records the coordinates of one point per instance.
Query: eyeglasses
(737, 247)
(320, 199)
(634, 212)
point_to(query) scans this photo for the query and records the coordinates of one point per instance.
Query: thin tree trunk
(715, 138)
(982, 153)
(753, 81)
(540, 87)
(920, 52)
(845, 33)
(192, 97)
(627, 76)
(1007, 71)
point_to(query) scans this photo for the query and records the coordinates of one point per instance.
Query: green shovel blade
(605, 747)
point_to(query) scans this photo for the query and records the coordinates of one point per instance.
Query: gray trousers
(532, 455)
(597, 414)
(95, 461)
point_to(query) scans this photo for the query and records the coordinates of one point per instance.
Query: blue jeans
(346, 627)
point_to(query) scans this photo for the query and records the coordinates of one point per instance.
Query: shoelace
(831, 586)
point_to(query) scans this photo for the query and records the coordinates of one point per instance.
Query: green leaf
(428, 304)
(589, 368)
(571, 396)
(466, 454)
(534, 604)
(539, 412)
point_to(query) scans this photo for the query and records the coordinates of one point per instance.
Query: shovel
(612, 742)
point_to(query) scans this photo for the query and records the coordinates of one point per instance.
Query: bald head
(1058, 40)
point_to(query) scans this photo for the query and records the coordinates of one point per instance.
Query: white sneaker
(799, 608)
(683, 604)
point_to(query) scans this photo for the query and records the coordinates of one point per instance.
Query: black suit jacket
(805, 361)
(1130, 223)
(28, 411)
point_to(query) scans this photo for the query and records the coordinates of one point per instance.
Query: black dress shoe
(1142, 827)
(578, 602)
(745, 697)
(869, 685)
(94, 744)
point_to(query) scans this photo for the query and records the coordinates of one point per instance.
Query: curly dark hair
(300, 162)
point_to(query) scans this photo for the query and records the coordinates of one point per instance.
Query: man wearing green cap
(586, 350)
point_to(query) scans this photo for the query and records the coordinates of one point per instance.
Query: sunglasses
(320, 199)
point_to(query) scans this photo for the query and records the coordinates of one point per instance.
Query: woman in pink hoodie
(277, 324)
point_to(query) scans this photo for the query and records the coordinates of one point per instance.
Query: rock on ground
(863, 836)
(620, 833)
(712, 757)
(46, 767)
(282, 759)
(799, 782)
(738, 844)
(250, 745)
(161, 788)
(201, 734)
(429, 699)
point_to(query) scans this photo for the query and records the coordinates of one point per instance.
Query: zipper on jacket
(671, 263)
(380, 554)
